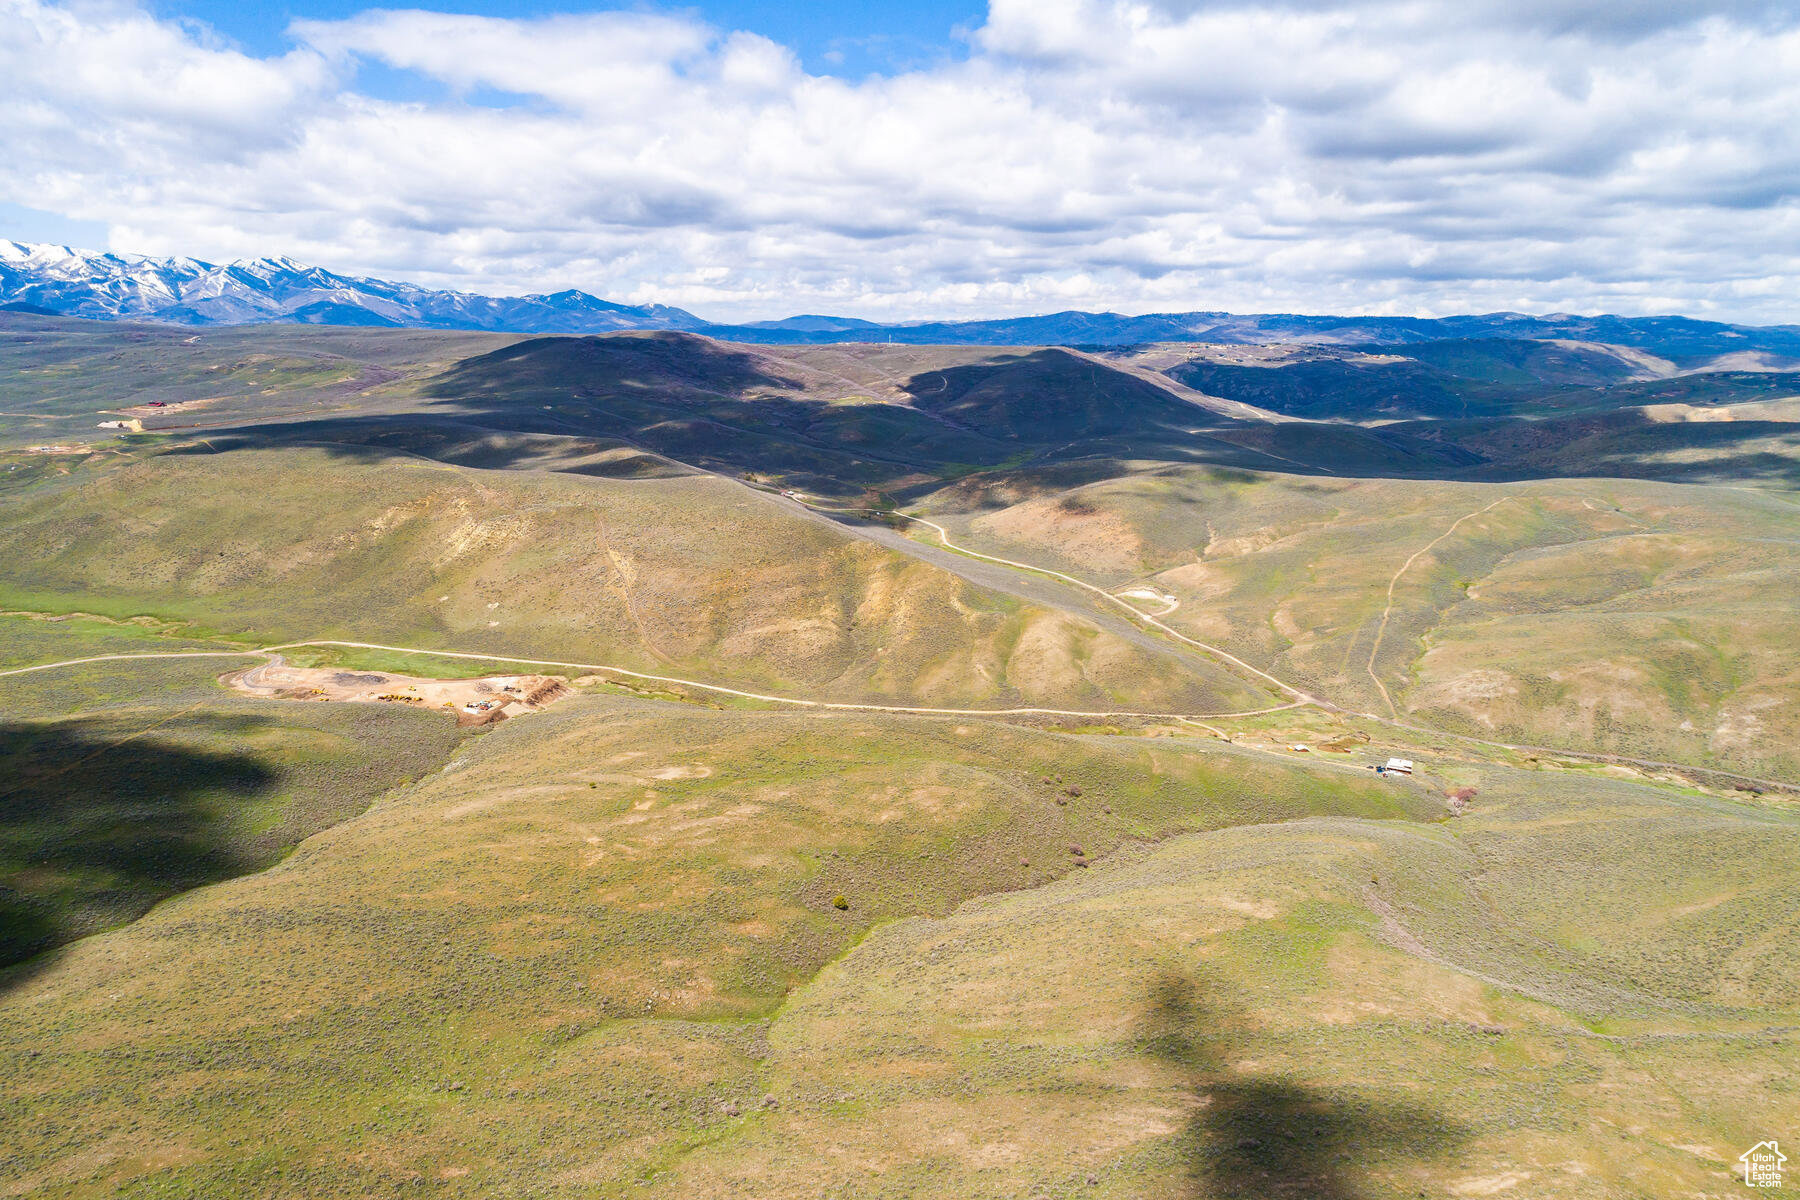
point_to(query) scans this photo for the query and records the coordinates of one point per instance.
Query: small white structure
(1399, 766)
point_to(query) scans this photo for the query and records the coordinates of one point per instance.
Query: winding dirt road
(1287, 689)
(74, 662)
(1299, 697)
(1307, 699)
(272, 654)
(1381, 630)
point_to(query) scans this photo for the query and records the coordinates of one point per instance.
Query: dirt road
(840, 706)
(1136, 614)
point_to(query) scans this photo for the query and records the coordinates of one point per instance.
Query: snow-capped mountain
(185, 291)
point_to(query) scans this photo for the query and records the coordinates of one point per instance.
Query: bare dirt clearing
(156, 408)
(475, 701)
(1167, 603)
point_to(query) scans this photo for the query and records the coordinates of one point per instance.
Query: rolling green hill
(687, 575)
(693, 931)
(1633, 618)
(578, 960)
(133, 782)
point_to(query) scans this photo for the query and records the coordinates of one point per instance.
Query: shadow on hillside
(581, 405)
(1626, 444)
(680, 361)
(97, 825)
(1050, 395)
(548, 403)
(647, 406)
(1260, 1136)
(1328, 389)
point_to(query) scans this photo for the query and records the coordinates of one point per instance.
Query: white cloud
(1386, 155)
(590, 63)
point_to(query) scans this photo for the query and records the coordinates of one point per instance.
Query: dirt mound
(547, 692)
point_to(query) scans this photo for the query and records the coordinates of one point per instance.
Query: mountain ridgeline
(58, 280)
(185, 291)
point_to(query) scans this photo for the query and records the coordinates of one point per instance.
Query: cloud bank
(1384, 156)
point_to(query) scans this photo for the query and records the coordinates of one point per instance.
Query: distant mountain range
(183, 291)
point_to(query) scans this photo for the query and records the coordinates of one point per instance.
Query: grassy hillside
(127, 784)
(28, 638)
(59, 378)
(636, 946)
(578, 959)
(451, 980)
(1452, 379)
(1314, 1009)
(1717, 440)
(1638, 619)
(690, 576)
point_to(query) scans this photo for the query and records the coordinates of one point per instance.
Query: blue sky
(22, 223)
(850, 38)
(747, 159)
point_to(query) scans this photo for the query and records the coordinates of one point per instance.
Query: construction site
(474, 701)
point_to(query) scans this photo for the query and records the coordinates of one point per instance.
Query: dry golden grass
(691, 576)
(1633, 618)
